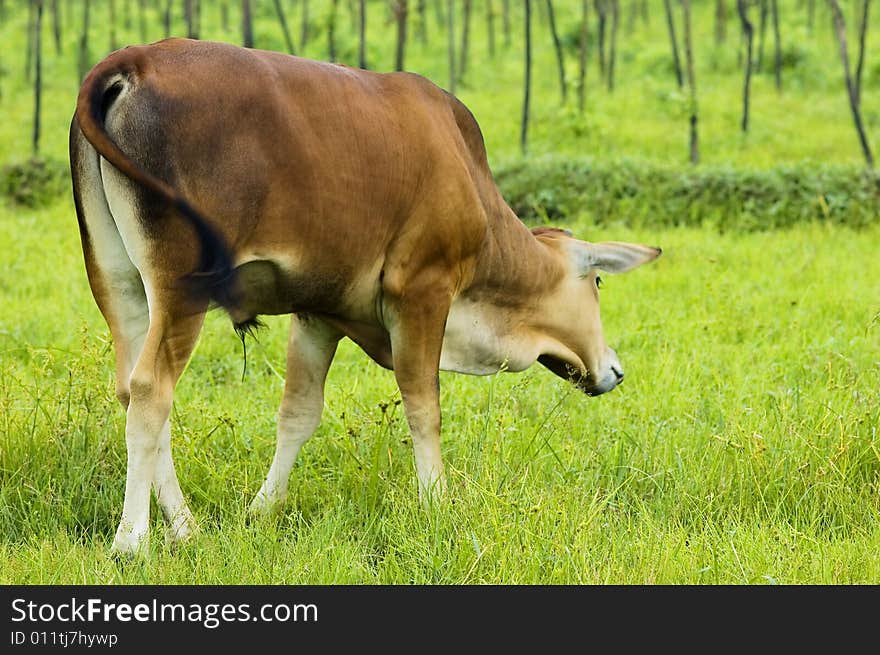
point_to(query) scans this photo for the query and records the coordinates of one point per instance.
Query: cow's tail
(214, 278)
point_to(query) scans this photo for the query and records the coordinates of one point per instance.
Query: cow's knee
(148, 406)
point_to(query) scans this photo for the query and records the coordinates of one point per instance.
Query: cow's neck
(494, 323)
(513, 266)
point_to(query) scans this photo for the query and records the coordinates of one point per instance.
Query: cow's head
(576, 349)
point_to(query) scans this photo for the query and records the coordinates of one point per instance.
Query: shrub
(643, 194)
(34, 182)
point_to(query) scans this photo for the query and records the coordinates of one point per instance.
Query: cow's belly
(479, 340)
(269, 283)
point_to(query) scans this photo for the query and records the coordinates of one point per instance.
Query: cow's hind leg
(310, 351)
(119, 292)
(129, 323)
(171, 337)
(178, 517)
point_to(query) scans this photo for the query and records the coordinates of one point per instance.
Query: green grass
(743, 447)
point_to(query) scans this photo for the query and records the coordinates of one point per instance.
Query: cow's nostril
(618, 372)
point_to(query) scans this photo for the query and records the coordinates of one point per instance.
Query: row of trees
(600, 22)
(680, 11)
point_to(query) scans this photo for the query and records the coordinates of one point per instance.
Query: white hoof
(130, 541)
(181, 528)
(264, 504)
(433, 492)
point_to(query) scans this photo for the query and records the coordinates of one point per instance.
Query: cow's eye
(598, 282)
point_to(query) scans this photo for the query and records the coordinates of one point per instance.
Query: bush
(34, 182)
(624, 192)
(641, 194)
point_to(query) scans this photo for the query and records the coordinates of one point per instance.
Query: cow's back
(319, 165)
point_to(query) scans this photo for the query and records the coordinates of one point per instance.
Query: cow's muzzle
(610, 379)
(609, 375)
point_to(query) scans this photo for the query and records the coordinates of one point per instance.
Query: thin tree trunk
(166, 18)
(112, 27)
(304, 33)
(840, 28)
(422, 10)
(505, 20)
(38, 77)
(56, 25)
(777, 45)
(601, 13)
(612, 54)
(691, 80)
(527, 91)
(860, 61)
(465, 39)
(2, 20)
(720, 21)
(450, 43)
(354, 13)
(748, 31)
(762, 31)
(582, 55)
(224, 16)
(285, 31)
(247, 26)
(331, 30)
(83, 58)
(557, 45)
(670, 22)
(490, 27)
(440, 13)
(400, 11)
(362, 34)
(742, 41)
(189, 18)
(142, 19)
(29, 46)
(632, 16)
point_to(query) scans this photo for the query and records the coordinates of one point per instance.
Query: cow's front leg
(310, 350)
(419, 322)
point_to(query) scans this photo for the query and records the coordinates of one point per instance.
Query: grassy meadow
(743, 447)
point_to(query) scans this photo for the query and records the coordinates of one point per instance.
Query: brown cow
(359, 202)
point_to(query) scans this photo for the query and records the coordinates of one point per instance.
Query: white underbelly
(480, 340)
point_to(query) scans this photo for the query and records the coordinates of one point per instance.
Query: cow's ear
(613, 256)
